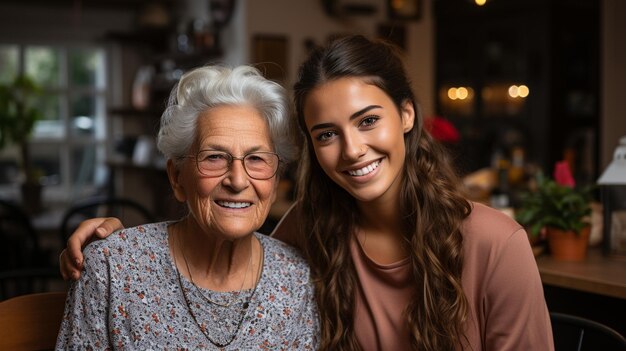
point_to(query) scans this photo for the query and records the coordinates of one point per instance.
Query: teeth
(230, 204)
(365, 170)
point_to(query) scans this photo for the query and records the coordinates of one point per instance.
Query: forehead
(342, 97)
(234, 128)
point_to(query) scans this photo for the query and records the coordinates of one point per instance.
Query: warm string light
(459, 93)
(462, 93)
(518, 91)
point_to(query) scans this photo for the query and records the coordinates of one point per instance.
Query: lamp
(613, 194)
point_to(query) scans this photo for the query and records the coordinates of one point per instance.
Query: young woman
(400, 259)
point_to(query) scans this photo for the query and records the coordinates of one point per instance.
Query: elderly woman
(206, 281)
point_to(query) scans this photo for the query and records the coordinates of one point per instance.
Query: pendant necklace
(236, 295)
(243, 309)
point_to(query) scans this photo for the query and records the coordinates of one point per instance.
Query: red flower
(441, 129)
(563, 174)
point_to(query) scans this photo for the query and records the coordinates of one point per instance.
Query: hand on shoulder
(71, 258)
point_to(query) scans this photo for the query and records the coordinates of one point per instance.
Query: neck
(380, 232)
(380, 216)
(214, 263)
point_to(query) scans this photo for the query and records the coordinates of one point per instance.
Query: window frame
(68, 142)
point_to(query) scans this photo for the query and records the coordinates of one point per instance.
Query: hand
(71, 258)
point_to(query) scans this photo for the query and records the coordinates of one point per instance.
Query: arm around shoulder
(287, 230)
(71, 258)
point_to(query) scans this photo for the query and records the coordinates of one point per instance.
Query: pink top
(507, 309)
(500, 280)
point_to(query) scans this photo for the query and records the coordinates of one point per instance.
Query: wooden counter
(598, 274)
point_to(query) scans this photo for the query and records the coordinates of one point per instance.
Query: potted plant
(562, 210)
(17, 121)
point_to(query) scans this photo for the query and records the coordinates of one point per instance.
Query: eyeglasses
(259, 165)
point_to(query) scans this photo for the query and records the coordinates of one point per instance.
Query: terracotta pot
(567, 245)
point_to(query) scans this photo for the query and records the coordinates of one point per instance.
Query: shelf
(149, 113)
(126, 164)
(154, 38)
(131, 111)
(195, 57)
(157, 39)
(91, 4)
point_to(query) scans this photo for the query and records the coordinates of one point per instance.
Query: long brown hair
(434, 209)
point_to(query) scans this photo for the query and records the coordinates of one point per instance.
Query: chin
(366, 196)
(231, 231)
(238, 233)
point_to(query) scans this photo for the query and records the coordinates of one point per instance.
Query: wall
(613, 122)
(302, 20)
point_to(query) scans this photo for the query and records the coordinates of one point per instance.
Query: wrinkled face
(358, 137)
(232, 205)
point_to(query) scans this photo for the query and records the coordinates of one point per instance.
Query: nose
(236, 177)
(353, 147)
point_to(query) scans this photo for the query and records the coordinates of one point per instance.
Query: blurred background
(509, 86)
(522, 83)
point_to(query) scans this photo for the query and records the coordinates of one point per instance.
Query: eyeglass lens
(258, 165)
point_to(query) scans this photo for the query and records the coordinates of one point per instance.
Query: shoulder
(494, 242)
(287, 279)
(127, 240)
(489, 234)
(487, 225)
(283, 256)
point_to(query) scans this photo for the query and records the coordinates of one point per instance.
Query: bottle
(501, 194)
(516, 172)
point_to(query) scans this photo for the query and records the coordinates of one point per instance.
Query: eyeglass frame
(231, 159)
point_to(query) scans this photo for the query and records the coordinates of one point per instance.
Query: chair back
(22, 281)
(20, 242)
(129, 211)
(579, 334)
(31, 322)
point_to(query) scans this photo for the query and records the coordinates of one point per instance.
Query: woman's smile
(233, 204)
(358, 137)
(362, 171)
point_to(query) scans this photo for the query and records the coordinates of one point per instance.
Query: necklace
(221, 304)
(243, 311)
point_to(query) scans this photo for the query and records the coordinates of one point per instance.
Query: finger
(62, 266)
(80, 238)
(68, 271)
(108, 226)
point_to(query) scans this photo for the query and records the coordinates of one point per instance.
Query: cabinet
(520, 74)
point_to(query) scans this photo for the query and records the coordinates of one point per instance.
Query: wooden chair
(31, 322)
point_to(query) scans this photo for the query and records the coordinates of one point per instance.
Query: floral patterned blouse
(130, 297)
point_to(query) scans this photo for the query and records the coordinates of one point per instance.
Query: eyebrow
(213, 147)
(353, 116)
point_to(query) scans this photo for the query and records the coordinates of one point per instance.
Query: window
(68, 143)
